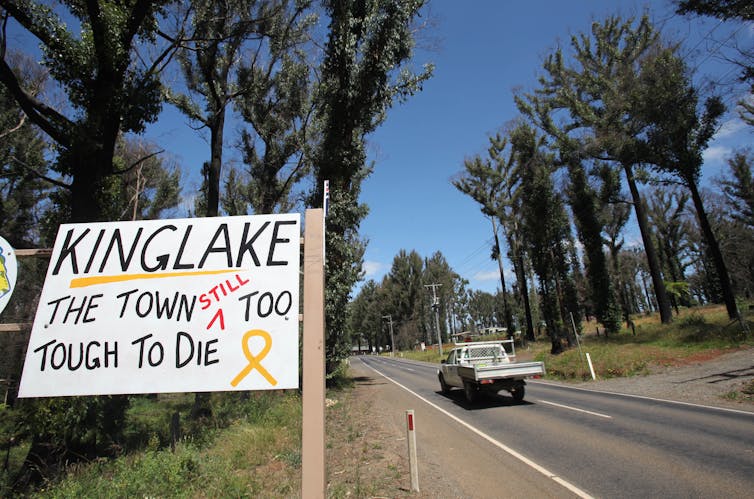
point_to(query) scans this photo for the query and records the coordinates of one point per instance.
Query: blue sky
(482, 51)
(487, 49)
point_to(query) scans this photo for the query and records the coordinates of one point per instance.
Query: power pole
(436, 308)
(392, 341)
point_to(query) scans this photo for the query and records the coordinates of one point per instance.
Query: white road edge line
(575, 409)
(494, 442)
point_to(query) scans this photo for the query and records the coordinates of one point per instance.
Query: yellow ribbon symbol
(254, 360)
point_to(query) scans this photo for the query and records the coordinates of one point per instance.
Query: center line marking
(575, 409)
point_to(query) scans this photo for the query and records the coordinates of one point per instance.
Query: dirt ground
(366, 448)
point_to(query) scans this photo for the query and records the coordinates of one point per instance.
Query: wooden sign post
(313, 482)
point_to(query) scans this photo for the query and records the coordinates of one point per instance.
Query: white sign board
(201, 304)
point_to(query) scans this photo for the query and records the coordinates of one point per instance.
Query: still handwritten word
(214, 295)
(221, 290)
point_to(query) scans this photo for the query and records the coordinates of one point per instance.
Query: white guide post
(411, 437)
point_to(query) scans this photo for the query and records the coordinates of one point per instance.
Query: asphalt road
(565, 441)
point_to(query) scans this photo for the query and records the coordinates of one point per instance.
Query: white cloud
(372, 268)
(716, 154)
(487, 276)
(729, 128)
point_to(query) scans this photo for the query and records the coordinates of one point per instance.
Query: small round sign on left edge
(8, 272)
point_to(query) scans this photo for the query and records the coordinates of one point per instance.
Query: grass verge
(695, 334)
(257, 455)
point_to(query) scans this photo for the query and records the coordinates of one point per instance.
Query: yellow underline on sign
(82, 282)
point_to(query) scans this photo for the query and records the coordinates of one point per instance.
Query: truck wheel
(470, 391)
(443, 386)
(518, 393)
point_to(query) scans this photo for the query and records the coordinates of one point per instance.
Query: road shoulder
(705, 382)
(451, 458)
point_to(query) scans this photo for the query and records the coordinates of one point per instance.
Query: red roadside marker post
(411, 438)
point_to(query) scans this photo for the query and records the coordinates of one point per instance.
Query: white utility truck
(486, 366)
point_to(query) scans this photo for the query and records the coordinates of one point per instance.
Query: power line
(468, 260)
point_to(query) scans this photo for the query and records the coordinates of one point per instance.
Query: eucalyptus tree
(109, 90)
(544, 228)
(23, 168)
(729, 208)
(95, 54)
(405, 289)
(585, 205)
(223, 34)
(365, 317)
(484, 181)
(492, 182)
(482, 310)
(589, 93)
(738, 187)
(148, 186)
(733, 215)
(667, 213)
(677, 132)
(234, 199)
(277, 106)
(364, 71)
(459, 313)
(615, 212)
(634, 272)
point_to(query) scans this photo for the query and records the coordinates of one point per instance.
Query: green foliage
(665, 102)
(739, 187)
(245, 53)
(108, 93)
(678, 289)
(586, 102)
(490, 183)
(23, 191)
(586, 211)
(722, 9)
(344, 253)
(245, 430)
(405, 298)
(90, 425)
(545, 230)
(362, 74)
